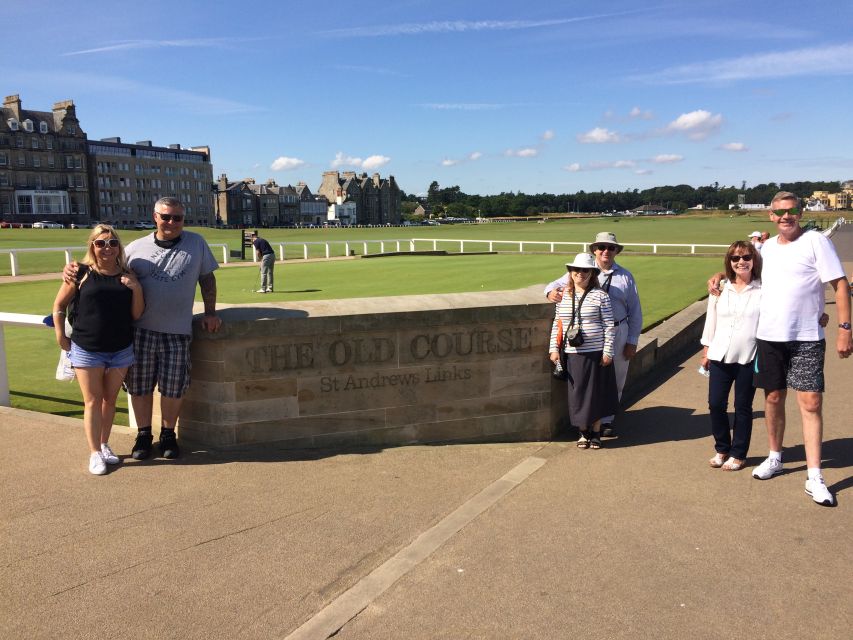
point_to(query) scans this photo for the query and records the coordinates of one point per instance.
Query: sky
(492, 96)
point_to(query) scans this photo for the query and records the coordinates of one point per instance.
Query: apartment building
(127, 179)
(43, 164)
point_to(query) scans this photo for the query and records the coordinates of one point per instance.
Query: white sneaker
(97, 466)
(819, 493)
(108, 455)
(767, 469)
(261, 291)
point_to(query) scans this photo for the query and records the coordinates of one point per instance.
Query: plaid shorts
(162, 359)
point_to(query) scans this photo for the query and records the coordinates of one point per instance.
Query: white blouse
(731, 324)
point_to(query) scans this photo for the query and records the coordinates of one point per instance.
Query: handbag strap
(580, 305)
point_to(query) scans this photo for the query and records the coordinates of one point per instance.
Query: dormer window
(13, 124)
(42, 127)
(28, 125)
(72, 130)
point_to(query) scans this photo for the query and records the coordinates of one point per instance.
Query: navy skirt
(592, 389)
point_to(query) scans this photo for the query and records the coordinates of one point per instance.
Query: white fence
(15, 267)
(17, 320)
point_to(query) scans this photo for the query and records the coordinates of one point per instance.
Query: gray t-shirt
(169, 278)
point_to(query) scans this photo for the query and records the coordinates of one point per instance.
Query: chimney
(13, 103)
(223, 182)
(175, 147)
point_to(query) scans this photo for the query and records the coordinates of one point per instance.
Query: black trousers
(731, 440)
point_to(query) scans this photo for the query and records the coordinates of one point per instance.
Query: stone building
(43, 164)
(313, 209)
(127, 179)
(245, 202)
(377, 200)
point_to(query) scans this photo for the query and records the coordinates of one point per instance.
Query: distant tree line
(451, 201)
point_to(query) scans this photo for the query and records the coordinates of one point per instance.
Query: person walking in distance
(266, 255)
(169, 263)
(619, 284)
(790, 344)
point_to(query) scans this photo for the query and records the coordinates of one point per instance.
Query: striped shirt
(596, 323)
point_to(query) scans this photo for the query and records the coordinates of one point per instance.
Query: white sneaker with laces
(767, 469)
(819, 493)
(261, 291)
(97, 466)
(108, 455)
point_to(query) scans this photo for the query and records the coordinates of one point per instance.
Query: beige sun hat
(755, 234)
(584, 261)
(605, 237)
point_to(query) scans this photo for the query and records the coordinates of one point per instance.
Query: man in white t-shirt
(790, 343)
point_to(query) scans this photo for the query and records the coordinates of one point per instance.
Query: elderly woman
(107, 299)
(583, 328)
(729, 350)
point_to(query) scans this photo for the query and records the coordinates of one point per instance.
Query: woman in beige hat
(583, 328)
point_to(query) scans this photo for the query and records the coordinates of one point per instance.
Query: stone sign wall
(436, 371)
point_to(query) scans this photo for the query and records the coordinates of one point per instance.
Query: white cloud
(601, 165)
(548, 135)
(598, 135)
(734, 146)
(638, 114)
(696, 125)
(574, 167)
(185, 43)
(283, 163)
(667, 158)
(475, 155)
(810, 61)
(623, 164)
(374, 162)
(447, 162)
(463, 106)
(643, 172)
(345, 161)
(459, 26)
(527, 152)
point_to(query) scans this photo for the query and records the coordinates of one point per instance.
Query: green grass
(707, 229)
(667, 284)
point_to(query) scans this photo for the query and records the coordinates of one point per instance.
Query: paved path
(522, 540)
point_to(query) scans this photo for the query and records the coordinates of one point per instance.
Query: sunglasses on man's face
(737, 259)
(170, 217)
(100, 244)
(606, 247)
(793, 211)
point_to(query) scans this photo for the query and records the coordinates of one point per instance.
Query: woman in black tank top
(107, 298)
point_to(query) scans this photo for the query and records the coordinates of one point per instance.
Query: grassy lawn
(667, 284)
(705, 229)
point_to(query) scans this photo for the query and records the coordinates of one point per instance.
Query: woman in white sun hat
(584, 329)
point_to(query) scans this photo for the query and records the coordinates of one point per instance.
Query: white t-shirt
(792, 283)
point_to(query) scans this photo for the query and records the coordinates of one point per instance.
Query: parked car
(47, 224)
(144, 225)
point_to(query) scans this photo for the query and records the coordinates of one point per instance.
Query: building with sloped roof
(43, 164)
(377, 200)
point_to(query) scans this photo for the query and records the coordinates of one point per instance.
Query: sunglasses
(737, 259)
(170, 217)
(112, 243)
(583, 271)
(606, 247)
(793, 211)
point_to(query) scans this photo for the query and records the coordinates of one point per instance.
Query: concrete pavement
(521, 540)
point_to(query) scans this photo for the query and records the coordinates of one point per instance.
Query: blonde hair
(784, 195)
(99, 230)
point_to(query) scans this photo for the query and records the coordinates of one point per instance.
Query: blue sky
(492, 96)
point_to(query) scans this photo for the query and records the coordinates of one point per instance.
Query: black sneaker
(607, 430)
(169, 444)
(142, 446)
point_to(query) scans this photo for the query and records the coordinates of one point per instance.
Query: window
(51, 161)
(25, 204)
(35, 143)
(71, 129)
(19, 142)
(49, 143)
(42, 127)
(22, 159)
(13, 124)
(69, 162)
(4, 179)
(3, 160)
(28, 125)
(36, 161)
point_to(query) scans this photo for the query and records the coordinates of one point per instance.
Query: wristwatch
(844, 325)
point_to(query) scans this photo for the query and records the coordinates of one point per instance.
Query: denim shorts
(80, 358)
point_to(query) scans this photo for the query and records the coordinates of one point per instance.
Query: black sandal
(595, 442)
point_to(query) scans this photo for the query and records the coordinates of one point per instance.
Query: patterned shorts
(162, 359)
(789, 365)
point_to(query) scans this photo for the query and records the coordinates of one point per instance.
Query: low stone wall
(393, 371)
(374, 372)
